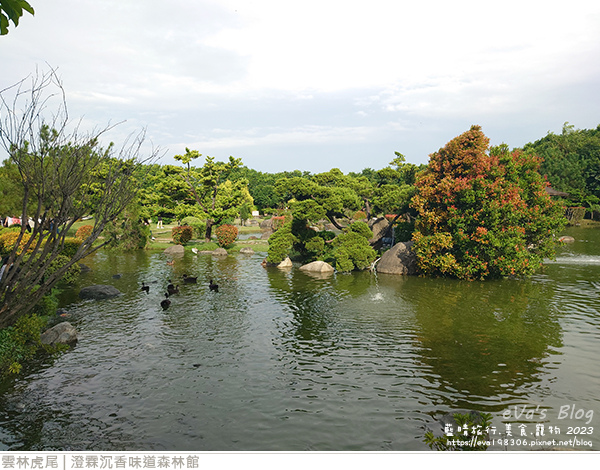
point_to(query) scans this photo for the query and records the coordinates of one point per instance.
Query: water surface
(286, 361)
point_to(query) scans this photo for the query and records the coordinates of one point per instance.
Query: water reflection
(282, 360)
(486, 340)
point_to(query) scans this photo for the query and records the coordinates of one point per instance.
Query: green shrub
(362, 229)
(72, 274)
(352, 252)
(198, 225)
(280, 243)
(359, 215)
(48, 305)
(19, 343)
(182, 234)
(71, 246)
(226, 235)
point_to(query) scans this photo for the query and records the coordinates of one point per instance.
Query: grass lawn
(163, 238)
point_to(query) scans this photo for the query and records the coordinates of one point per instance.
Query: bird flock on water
(173, 289)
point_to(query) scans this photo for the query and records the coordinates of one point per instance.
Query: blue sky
(315, 85)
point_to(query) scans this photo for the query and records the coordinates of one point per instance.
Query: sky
(315, 85)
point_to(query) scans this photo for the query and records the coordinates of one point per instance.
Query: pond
(285, 361)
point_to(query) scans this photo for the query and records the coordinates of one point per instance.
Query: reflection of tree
(486, 339)
(312, 303)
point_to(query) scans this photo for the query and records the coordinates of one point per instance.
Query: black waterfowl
(145, 287)
(170, 285)
(213, 287)
(173, 290)
(189, 280)
(166, 303)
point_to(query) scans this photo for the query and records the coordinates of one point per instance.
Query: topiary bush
(226, 235)
(182, 234)
(84, 232)
(352, 251)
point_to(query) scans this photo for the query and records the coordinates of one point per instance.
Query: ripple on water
(284, 361)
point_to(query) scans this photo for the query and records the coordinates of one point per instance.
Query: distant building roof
(553, 192)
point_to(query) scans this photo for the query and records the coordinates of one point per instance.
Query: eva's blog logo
(572, 412)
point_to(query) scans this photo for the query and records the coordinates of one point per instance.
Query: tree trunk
(208, 233)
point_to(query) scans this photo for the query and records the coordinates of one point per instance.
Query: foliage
(483, 215)
(351, 250)
(182, 234)
(84, 232)
(470, 427)
(226, 235)
(12, 10)
(280, 243)
(277, 222)
(19, 343)
(72, 273)
(13, 239)
(194, 222)
(218, 196)
(129, 233)
(48, 305)
(70, 246)
(245, 213)
(571, 161)
(575, 215)
(359, 215)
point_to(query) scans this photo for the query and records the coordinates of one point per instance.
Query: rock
(400, 259)
(175, 250)
(266, 224)
(247, 251)
(286, 263)
(266, 235)
(83, 268)
(566, 239)
(381, 229)
(317, 267)
(63, 333)
(99, 292)
(220, 252)
(117, 276)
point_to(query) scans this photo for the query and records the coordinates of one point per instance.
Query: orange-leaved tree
(483, 212)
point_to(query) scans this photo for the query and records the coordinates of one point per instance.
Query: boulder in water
(175, 250)
(399, 259)
(99, 292)
(63, 333)
(317, 267)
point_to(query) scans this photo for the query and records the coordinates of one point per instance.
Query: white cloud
(328, 75)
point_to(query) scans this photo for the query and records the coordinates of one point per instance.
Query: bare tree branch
(64, 174)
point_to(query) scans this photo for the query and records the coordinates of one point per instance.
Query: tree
(483, 214)
(571, 161)
(12, 10)
(329, 195)
(58, 185)
(217, 196)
